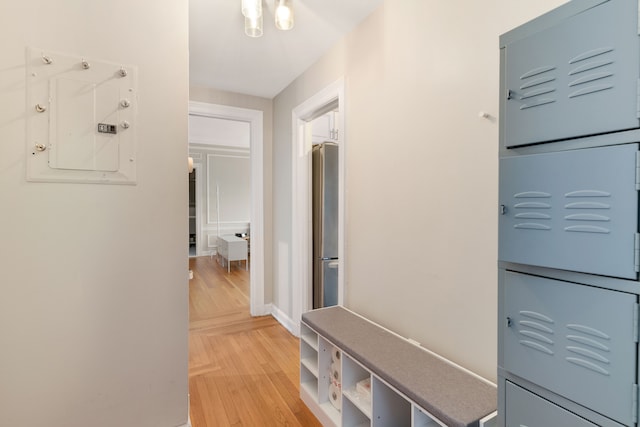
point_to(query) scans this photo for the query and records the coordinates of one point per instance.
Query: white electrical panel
(81, 119)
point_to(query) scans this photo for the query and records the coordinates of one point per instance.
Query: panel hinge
(637, 170)
(636, 252)
(638, 17)
(636, 319)
(634, 400)
(638, 99)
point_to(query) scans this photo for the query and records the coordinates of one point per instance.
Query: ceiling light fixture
(253, 26)
(252, 9)
(253, 17)
(284, 15)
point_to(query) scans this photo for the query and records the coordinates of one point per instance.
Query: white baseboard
(262, 310)
(285, 321)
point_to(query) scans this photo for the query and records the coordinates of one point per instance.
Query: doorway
(254, 120)
(332, 98)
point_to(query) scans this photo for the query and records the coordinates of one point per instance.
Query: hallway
(243, 371)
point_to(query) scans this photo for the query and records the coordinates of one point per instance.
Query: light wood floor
(243, 371)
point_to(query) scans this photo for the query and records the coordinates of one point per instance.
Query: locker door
(572, 210)
(575, 340)
(527, 409)
(573, 79)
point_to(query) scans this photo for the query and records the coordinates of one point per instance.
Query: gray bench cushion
(448, 393)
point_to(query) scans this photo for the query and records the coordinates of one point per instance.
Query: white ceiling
(221, 56)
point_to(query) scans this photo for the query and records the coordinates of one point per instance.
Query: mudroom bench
(356, 373)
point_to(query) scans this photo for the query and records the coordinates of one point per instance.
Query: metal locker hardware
(122, 72)
(40, 108)
(85, 64)
(510, 95)
(509, 322)
(40, 147)
(125, 124)
(47, 59)
(125, 103)
(503, 209)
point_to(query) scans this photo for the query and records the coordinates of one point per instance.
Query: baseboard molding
(261, 310)
(285, 321)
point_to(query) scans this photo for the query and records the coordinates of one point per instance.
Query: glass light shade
(253, 26)
(284, 15)
(252, 8)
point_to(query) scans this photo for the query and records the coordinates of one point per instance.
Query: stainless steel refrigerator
(325, 224)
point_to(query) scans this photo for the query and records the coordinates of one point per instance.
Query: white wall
(421, 170)
(93, 278)
(226, 170)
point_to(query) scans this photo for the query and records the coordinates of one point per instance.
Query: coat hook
(122, 72)
(85, 64)
(47, 59)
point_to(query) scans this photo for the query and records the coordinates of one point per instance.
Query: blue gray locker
(577, 341)
(568, 245)
(572, 210)
(576, 78)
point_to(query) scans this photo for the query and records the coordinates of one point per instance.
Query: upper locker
(555, 87)
(572, 210)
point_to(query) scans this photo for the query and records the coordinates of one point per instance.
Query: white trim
(490, 420)
(197, 165)
(301, 250)
(285, 320)
(254, 117)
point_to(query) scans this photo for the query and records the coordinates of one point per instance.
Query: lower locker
(574, 340)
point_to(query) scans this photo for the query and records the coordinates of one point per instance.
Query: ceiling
(221, 56)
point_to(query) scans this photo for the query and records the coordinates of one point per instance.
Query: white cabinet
(232, 248)
(326, 128)
(381, 406)
(356, 373)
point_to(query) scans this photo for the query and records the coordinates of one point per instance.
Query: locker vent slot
(592, 76)
(532, 210)
(536, 331)
(534, 88)
(587, 218)
(586, 355)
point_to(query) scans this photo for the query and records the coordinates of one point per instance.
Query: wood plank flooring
(243, 370)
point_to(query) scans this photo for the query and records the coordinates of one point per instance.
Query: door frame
(301, 239)
(257, 305)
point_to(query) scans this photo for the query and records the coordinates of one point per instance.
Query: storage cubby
(421, 419)
(390, 409)
(353, 374)
(309, 361)
(325, 360)
(352, 415)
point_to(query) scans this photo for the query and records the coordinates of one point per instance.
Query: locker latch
(510, 94)
(503, 209)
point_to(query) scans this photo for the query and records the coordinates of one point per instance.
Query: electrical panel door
(559, 86)
(574, 340)
(573, 210)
